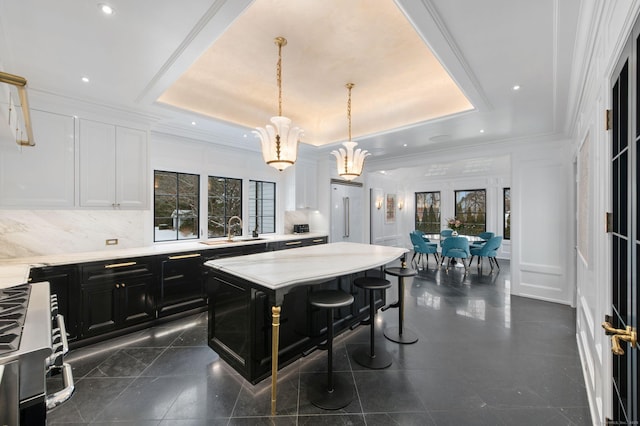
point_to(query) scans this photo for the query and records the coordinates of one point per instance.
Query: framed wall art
(390, 208)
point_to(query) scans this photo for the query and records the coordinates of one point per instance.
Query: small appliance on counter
(301, 228)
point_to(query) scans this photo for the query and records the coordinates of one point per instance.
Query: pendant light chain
(280, 41)
(349, 86)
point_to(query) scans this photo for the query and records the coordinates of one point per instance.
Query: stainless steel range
(32, 345)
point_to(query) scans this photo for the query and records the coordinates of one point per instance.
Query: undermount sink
(235, 240)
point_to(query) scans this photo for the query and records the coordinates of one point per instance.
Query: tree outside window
(427, 218)
(471, 209)
(506, 207)
(262, 206)
(175, 211)
(224, 201)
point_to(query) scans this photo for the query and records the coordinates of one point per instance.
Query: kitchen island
(241, 291)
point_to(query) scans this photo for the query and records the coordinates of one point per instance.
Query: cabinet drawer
(314, 241)
(181, 285)
(117, 269)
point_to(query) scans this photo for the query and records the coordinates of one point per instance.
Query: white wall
(380, 230)
(539, 173)
(492, 182)
(180, 154)
(38, 231)
(541, 225)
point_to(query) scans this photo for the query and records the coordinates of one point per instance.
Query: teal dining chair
(421, 247)
(444, 234)
(488, 250)
(484, 237)
(455, 248)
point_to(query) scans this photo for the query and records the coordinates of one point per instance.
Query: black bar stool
(369, 358)
(336, 393)
(399, 334)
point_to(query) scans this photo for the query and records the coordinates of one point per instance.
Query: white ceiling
(134, 56)
(398, 81)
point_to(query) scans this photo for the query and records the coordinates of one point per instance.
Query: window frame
(226, 201)
(196, 219)
(438, 214)
(254, 208)
(462, 216)
(506, 230)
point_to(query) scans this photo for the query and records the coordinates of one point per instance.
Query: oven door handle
(63, 334)
(59, 349)
(64, 394)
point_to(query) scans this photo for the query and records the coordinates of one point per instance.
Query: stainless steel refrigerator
(347, 212)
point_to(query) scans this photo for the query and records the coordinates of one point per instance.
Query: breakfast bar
(242, 289)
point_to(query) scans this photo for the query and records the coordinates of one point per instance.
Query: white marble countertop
(313, 264)
(16, 271)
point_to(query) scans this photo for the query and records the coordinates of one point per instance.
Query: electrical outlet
(111, 242)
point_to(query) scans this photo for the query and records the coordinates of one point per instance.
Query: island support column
(275, 337)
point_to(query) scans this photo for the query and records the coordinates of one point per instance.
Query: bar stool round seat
(400, 334)
(336, 393)
(375, 358)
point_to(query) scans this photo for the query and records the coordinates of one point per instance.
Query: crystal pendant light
(350, 162)
(280, 140)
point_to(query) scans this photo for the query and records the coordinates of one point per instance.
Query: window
(428, 212)
(262, 206)
(176, 199)
(224, 201)
(471, 210)
(506, 208)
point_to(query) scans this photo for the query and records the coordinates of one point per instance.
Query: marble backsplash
(25, 233)
(311, 217)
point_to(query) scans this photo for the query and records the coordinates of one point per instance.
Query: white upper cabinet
(113, 166)
(306, 182)
(42, 175)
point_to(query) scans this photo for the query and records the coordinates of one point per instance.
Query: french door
(625, 250)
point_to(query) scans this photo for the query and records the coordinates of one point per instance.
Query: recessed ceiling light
(404, 144)
(85, 79)
(516, 87)
(481, 130)
(193, 123)
(106, 9)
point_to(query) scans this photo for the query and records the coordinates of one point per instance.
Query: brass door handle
(627, 335)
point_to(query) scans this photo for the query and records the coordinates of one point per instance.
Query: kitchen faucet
(231, 233)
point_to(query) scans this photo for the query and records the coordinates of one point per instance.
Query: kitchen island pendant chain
(279, 140)
(280, 41)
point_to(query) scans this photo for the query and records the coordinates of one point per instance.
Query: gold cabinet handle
(122, 285)
(617, 334)
(293, 243)
(119, 265)
(319, 240)
(184, 256)
(117, 285)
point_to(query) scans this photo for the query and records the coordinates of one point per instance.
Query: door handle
(629, 335)
(347, 214)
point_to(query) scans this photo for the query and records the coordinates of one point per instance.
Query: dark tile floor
(483, 358)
